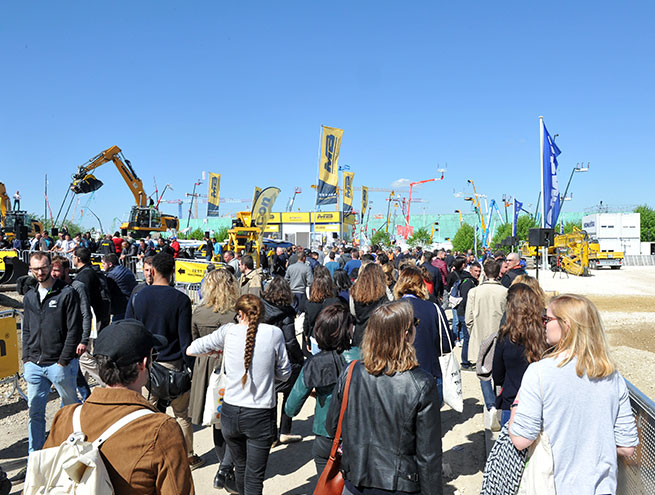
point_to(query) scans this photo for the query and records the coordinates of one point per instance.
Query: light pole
(579, 167)
(193, 196)
(93, 213)
(507, 201)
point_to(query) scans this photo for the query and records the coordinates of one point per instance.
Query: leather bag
(167, 384)
(331, 481)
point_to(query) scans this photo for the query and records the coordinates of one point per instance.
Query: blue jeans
(464, 333)
(455, 326)
(440, 390)
(39, 378)
(504, 416)
(488, 394)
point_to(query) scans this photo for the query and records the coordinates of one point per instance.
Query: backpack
(76, 466)
(454, 297)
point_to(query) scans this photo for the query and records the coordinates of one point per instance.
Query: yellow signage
(190, 272)
(326, 217)
(295, 217)
(8, 344)
(274, 218)
(328, 166)
(272, 228)
(326, 227)
(348, 178)
(9, 253)
(263, 205)
(350, 220)
(364, 202)
(212, 194)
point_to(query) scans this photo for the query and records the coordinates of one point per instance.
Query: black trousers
(321, 452)
(249, 434)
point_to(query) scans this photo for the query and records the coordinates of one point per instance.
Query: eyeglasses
(547, 319)
(39, 268)
(417, 322)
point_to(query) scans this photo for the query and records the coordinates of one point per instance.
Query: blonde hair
(411, 281)
(220, 291)
(583, 336)
(533, 283)
(385, 347)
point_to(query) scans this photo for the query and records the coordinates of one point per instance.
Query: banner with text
(261, 210)
(364, 202)
(212, 194)
(328, 166)
(348, 178)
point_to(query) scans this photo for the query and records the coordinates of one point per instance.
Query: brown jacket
(147, 456)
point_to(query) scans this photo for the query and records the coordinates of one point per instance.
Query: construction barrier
(637, 473)
(191, 290)
(639, 260)
(8, 344)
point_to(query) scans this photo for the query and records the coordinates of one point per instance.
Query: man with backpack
(146, 454)
(96, 284)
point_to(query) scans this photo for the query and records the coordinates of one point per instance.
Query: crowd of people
(372, 325)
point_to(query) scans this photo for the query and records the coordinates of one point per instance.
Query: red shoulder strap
(344, 403)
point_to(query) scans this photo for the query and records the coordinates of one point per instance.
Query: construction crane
(144, 215)
(489, 233)
(409, 202)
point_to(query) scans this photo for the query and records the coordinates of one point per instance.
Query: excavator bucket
(14, 268)
(86, 184)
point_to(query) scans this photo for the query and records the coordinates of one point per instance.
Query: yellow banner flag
(212, 194)
(328, 166)
(348, 178)
(258, 190)
(364, 202)
(261, 210)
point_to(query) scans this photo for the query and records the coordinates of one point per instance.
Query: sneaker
(289, 438)
(195, 462)
(495, 422)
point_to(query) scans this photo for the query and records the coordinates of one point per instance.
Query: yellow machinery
(144, 217)
(243, 236)
(12, 220)
(572, 251)
(599, 258)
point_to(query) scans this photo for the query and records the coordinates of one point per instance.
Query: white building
(615, 231)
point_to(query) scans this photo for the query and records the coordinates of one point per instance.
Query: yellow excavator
(145, 215)
(12, 221)
(572, 252)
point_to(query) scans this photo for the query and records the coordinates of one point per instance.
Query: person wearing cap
(175, 246)
(148, 455)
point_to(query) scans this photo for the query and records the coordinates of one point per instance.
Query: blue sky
(243, 88)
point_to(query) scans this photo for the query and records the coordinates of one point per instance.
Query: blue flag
(517, 208)
(551, 185)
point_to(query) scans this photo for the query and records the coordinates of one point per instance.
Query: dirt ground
(625, 298)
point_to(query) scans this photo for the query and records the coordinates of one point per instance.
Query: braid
(252, 307)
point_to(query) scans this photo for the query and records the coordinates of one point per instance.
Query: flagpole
(544, 250)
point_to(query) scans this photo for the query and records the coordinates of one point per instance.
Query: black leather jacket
(391, 431)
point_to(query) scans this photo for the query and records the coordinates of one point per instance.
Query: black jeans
(222, 451)
(249, 434)
(321, 452)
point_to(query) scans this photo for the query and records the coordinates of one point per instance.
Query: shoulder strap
(442, 324)
(344, 403)
(128, 418)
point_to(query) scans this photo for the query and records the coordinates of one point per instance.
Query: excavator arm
(5, 202)
(84, 182)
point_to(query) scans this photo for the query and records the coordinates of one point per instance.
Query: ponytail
(251, 306)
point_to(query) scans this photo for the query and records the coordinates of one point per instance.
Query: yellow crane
(145, 215)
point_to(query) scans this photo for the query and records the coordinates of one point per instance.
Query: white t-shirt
(269, 362)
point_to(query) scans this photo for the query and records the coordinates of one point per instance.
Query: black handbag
(168, 384)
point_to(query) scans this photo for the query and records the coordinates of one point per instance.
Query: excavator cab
(144, 218)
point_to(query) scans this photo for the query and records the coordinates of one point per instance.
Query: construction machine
(13, 221)
(145, 216)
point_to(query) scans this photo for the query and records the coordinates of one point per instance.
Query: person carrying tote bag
(399, 450)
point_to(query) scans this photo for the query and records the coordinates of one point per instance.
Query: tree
(421, 237)
(465, 238)
(647, 220)
(382, 238)
(221, 234)
(523, 226)
(568, 226)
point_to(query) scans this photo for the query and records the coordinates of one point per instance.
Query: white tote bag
(211, 414)
(451, 374)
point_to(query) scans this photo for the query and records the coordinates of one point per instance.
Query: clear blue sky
(242, 88)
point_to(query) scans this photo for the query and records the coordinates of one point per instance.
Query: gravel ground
(626, 299)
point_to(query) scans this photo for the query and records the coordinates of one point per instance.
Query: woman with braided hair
(255, 356)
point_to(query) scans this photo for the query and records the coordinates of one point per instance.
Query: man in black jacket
(88, 275)
(469, 280)
(513, 269)
(51, 331)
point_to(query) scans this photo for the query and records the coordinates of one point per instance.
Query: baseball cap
(126, 342)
